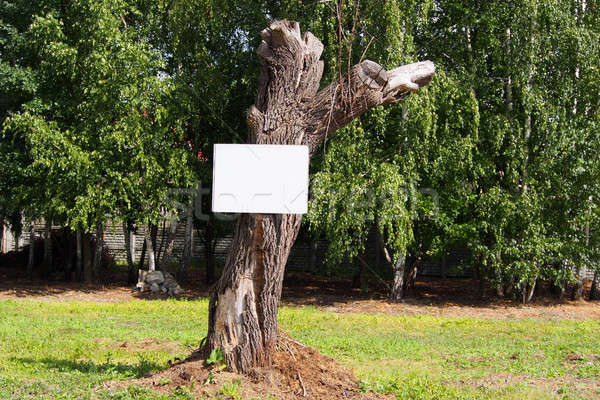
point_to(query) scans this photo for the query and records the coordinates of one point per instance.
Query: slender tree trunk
(68, 254)
(578, 287)
(153, 237)
(31, 258)
(594, 295)
(16, 237)
(289, 109)
(169, 244)
(47, 248)
(209, 249)
(150, 250)
(397, 290)
(531, 291)
(97, 266)
(314, 253)
(87, 259)
(158, 251)
(129, 238)
(79, 258)
(186, 256)
(398, 266)
(410, 275)
(499, 281)
(143, 254)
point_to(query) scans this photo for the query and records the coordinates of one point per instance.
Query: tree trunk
(31, 258)
(47, 249)
(244, 303)
(150, 250)
(143, 255)
(129, 238)
(97, 266)
(186, 256)
(531, 291)
(17, 239)
(209, 249)
(314, 252)
(399, 267)
(153, 237)
(578, 287)
(397, 290)
(594, 295)
(158, 250)
(68, 254)
(87, 259)
(290, 110)
(169, 244)
(79, 259)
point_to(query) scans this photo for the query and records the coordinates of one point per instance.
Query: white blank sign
(260, 178)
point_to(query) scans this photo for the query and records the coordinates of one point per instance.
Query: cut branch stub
(289, 109)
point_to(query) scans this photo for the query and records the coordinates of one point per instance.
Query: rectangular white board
(260, 178)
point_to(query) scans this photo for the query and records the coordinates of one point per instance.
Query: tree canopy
(107, 105)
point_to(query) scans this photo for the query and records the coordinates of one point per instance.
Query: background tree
(96, 135)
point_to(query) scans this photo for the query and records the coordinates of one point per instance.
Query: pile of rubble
(158, 282)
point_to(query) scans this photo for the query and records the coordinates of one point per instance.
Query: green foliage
(96, 136)
(232, 389)
(498, 154)
(107, 105)
(216, 359)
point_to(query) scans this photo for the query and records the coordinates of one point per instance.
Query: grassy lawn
(63, 350)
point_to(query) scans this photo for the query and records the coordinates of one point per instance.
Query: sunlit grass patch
(66, 350)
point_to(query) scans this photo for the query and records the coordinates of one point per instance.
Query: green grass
(63, 350)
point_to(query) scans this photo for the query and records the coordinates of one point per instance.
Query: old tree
(290, 109)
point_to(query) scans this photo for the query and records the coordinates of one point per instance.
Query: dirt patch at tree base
(298, 372)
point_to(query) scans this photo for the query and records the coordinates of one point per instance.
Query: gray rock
(154, 277)
(176, 291)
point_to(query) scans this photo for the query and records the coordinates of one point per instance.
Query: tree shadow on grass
(142, 368)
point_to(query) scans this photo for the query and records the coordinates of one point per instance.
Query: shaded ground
(449, 297)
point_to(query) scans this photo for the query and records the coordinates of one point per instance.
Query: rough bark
(398, 266)
(245, 300)
(289, 109)
(397, 290)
